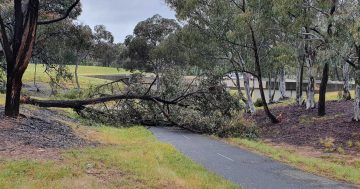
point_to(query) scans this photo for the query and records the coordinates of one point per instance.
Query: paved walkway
(247, 169)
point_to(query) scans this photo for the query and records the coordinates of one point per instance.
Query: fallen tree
(80, 104)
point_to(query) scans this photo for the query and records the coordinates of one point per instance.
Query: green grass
(127, 158)
(83, 71)
(319, 166)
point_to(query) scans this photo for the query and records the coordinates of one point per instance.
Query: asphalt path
(249, 170)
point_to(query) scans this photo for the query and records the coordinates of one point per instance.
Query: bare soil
(36, 135)
(300, 127)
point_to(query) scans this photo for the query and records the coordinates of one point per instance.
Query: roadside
(57, 151)
(241, 166)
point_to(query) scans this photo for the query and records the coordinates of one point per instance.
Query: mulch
(301, 127)
(36, 135)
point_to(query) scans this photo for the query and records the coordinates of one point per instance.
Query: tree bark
(357, 96)
(322, 93)
(357, 103)
(250, 102)
(282, 85)
(270, 88)
(240, 94)
(26, 15)
(346, 88)
(77, 76)
(79, 104)
(299, 84)
(13, 90)
(310, 101)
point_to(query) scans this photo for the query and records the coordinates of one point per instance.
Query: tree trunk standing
(77, 76)
(357, 96)
(240, 94)
(322, 93)
(299, 84)
(270, 88)
(248, 93)
(346, 88)
(26, 16)
(310, 101)
(12, 103)
(282, 85)
(258, 70)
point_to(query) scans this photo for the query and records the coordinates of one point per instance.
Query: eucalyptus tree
(244, 26)
(347, 44)
(105, 50)
(142, 46)
(80, 43)
(18, 39)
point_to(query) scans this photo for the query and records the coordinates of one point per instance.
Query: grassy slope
(130, 158)
(326, 166)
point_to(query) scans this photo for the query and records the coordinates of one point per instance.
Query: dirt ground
(300, 127)
(35, 135)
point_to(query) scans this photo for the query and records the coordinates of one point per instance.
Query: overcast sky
(121, 16)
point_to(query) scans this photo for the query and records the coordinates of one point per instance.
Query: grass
(320, 166)
(126, 158)
(83, 72)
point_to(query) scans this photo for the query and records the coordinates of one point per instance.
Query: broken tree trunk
(80, 104)
(322, 93)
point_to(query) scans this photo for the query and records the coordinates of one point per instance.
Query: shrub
(258, 103)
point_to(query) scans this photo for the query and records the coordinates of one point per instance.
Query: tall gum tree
(248, 21)
(18, 41)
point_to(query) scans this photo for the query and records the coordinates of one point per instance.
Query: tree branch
(79, 104)
(67, 13)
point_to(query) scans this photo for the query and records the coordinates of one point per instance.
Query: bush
(258, 103)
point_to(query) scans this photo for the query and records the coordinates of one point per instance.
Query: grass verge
(319, 166)
(126, 158)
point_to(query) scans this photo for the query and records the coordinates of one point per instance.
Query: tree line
(268, 40)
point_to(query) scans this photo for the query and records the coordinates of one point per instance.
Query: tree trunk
(357, 96)
(77, 76)
(13, 90)
(258, 70)
(240, 94)
(322, 93)
(270, 88)
(299, 84)
(357, 103)
(248, 93)
(26, 15)
(346, 88)
(282, 85)
(310, 101)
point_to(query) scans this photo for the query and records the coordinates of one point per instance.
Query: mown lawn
(41, 76)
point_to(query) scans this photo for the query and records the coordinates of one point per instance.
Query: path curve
(247, 169)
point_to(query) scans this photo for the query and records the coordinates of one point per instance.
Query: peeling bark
(282, 85)
(346, 88)
(250, 102)
(299, 84)
(310, 101)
